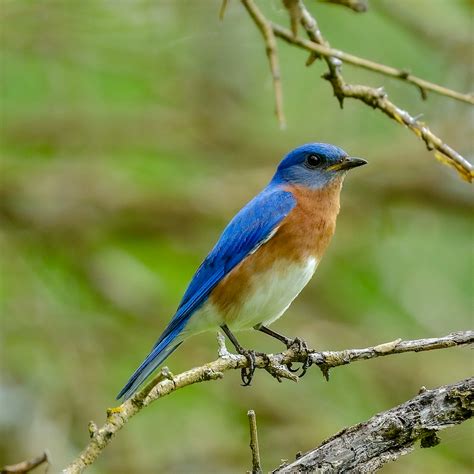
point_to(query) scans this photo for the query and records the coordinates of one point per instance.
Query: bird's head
(314, 165)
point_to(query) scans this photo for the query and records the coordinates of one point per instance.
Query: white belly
(269, 297)
(273, 292)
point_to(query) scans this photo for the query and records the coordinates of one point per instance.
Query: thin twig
(390, 71)
(25, 466)
(367, 446)
(294, 12)
(376, 97)
(256, 465)
(265, 28)
(119, 416)
(223, 8)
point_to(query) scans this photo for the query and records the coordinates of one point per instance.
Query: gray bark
(388, 435)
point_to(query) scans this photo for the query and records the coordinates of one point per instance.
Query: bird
(263, 259)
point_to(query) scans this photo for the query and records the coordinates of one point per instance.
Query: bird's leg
(299, 343)
(247, 372)
(286, 340)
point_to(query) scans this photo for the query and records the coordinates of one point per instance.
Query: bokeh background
(131, 131)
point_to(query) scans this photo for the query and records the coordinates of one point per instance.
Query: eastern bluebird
(264, 258)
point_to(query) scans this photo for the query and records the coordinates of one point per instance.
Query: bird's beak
(347, 163)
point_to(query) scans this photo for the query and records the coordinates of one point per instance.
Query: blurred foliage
(131, 131)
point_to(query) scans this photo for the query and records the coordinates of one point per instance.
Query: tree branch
(374, 97)
(388, 435)
(223, 9)
(265, 28)
(166, 383)
(363, 63)
(256, 465)
(25, 466)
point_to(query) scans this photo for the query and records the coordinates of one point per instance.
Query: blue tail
(161, 350)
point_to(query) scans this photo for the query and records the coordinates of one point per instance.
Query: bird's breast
(308, 229)
(265, 296)
(265, 283)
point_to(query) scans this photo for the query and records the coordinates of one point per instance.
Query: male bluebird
(263, 259)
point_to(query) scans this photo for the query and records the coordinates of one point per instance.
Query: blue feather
(252, 225)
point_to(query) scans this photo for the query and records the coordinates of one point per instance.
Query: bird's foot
(296, 344)
(247, 373)
(299, 345)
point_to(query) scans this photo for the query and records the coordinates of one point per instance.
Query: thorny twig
(374, 97)
(169, 383)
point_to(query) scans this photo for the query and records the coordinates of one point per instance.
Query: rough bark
(388, 435)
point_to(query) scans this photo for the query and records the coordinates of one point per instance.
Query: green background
(131, 132)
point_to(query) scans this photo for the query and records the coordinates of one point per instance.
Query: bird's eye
(312, 161)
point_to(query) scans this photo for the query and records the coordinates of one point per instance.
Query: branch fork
(376, 98)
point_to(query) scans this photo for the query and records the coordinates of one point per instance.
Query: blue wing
(251, 226)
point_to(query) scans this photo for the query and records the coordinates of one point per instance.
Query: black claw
(290, 368)
(297, 344)
(306, 365)
(246, 377)
(264, 356)
(300, 346)
(246, 373)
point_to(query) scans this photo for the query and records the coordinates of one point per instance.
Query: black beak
(347, 164)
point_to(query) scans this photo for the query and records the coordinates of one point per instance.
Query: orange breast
(305, 232)
(308, 229)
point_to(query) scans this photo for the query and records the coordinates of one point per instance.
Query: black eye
(312, 161)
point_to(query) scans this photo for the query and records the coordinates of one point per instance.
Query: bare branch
(329, 359)
(265, 28)
(223, 8)
(167, 383)
(256, 465)
(25, 466)
(363, 63)
(367, 446)
(377, 98)
(374, 97)
(295, 14)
